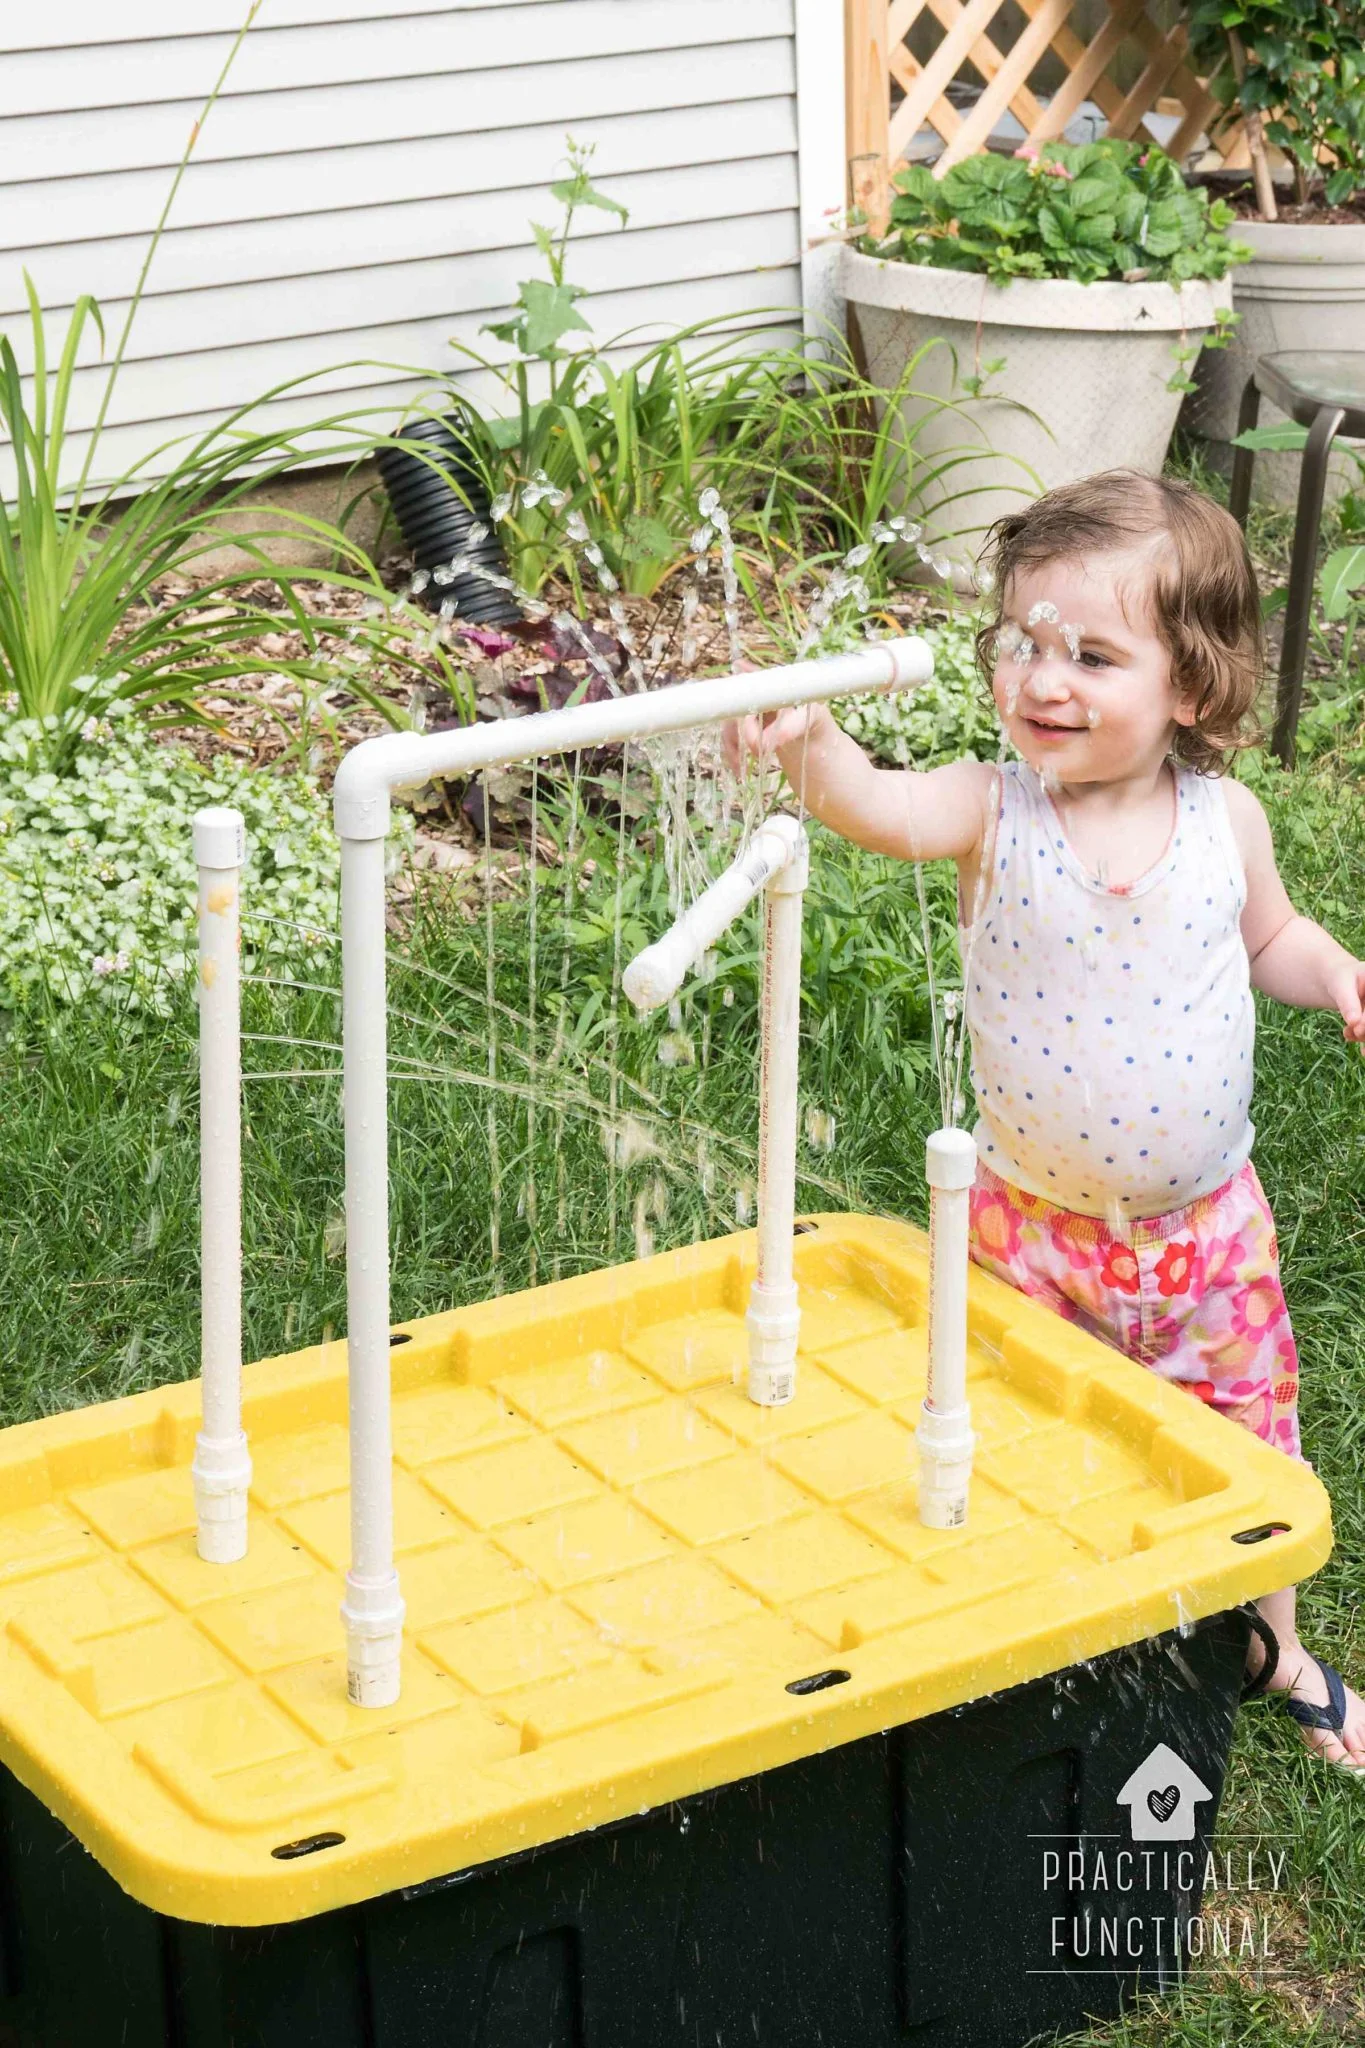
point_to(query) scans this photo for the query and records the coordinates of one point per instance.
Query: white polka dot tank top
(1111, 1029)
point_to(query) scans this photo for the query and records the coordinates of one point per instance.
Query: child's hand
(1348, 993)
(742, 737)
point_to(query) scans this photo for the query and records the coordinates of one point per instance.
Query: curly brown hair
(1200, 598)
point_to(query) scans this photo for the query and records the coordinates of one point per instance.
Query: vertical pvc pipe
(944, 1435)
(774, 1315)
(372, 1611)
(222, 1468)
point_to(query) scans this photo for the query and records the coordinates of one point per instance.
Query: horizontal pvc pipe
(221, 1470)
(944, 1435)
(399, 760)
(373, 1609)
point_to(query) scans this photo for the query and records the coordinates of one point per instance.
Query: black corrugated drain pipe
(435, 522)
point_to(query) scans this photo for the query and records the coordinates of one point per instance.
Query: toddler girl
(1118, 900)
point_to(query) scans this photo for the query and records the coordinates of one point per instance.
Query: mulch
(271, 719)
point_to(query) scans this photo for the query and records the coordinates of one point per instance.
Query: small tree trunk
(1260, 163)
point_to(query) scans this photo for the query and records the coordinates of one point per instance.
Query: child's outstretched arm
(939, 815)
(1292, 958)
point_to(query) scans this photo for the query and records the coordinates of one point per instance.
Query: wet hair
(1199, 591)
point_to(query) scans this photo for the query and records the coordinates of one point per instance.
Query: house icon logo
(1162, 1797)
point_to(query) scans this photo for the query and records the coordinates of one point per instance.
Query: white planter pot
(1090, 362)
(1305, 289)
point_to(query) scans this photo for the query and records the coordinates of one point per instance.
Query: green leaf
(1284, 435)
(921, 191)
(647, 540)
(548, 313)
(1342, 573)
(580, 191)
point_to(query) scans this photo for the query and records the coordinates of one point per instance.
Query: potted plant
(1293, 72)
(1073, 287)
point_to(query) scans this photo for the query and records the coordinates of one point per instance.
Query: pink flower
(1077, 1255)
(1256, 1309)
(1178, 1268)
(1028, 150)
(1120, 1268)
(1056, 170)
(1223, 1259)
(996, 1227)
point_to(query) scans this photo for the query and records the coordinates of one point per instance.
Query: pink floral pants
(1195, 1296)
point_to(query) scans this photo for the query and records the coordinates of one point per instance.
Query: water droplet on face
(1092, 715)
(1043, 613)
(1072, 636)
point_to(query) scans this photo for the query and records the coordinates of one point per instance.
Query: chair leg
(1303, 561)
(1239, 497)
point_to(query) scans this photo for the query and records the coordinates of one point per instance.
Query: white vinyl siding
(360, 194)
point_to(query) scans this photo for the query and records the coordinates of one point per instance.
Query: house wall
(359, 195)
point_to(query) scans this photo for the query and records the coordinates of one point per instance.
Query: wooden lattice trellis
(880, 61)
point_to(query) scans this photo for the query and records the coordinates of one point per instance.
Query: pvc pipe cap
(219, 838)
(950, 1159)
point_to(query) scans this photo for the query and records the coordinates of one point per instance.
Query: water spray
(776, 861)
(372, 1611)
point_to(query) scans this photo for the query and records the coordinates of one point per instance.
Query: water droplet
(820, 1130)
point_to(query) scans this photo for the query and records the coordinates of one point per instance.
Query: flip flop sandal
(1331, 1718)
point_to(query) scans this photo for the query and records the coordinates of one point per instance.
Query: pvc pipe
(373, 1609)
(944, 1435)
(774, 1313)
(657, 973)
(777, 860)
(397, 760)
(221, 1470)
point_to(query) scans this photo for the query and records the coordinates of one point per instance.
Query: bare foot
(1299, 1674)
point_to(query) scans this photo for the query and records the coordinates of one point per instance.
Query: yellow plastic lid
(616, 1568)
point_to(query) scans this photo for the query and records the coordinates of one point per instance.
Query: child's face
(1093, 701)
